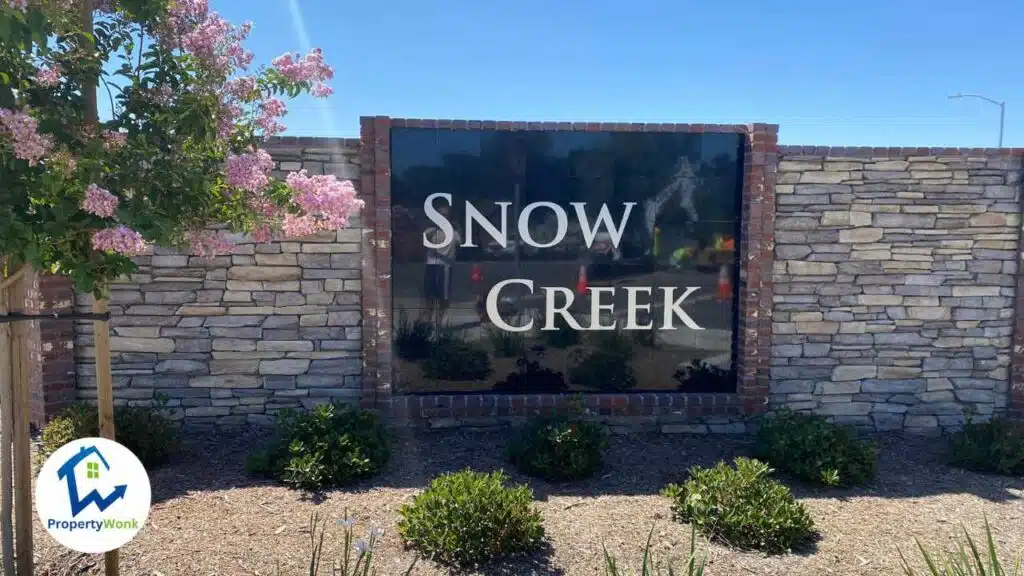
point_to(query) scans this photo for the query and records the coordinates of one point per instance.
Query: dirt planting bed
(209, 518)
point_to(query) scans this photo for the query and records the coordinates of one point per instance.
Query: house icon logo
(93, 495)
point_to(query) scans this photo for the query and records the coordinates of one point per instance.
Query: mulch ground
(209, 518)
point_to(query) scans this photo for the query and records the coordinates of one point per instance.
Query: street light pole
(1002, 110)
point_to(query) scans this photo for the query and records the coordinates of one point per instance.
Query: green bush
(614, 342)
(814, 449)
(506, 344)
(145, 430)
(604, 370)
(966, 560)
(995, 446)
(466, 518)
(413, 338)
(455, 359)
(563, 336)
(559, 449)
(329, 446)
(742, 506)
(699, 376)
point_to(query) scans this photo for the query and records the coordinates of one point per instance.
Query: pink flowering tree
(177, 156)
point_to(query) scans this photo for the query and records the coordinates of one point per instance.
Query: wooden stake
(105, 399)
(6, 433)
(100, 328)
(22, 440)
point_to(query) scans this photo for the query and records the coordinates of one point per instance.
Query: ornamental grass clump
(742, 506)
(966, 560)
(470, 518)
(649, 566)
(812, 448)
(357, 553)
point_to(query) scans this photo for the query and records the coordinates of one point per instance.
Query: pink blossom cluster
(63, 160)
(308, 68)
(29, 144)
(122, 239)
(207, 36)
(326, 203)
(207, 244)
(262, 233)
(229, 113)
(249, 171)
(270, 110)
(240, 88)
(161, 94)
(99, 202)
(48, 76)
(113, 140)
(17, 4)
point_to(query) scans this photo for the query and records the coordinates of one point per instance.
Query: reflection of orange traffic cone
(724, 285)
(581, 282)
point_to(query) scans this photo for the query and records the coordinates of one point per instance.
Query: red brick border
(52, 356)
(756, 253)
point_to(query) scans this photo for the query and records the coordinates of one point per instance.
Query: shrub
(331, 445)
(412, 338)
(602, 370)
(647, 338)
(455, 359)
(145, 430)
(530, 376)
(649, 567)
(995, 446)
(814, 449)
(614, 342)
(468, 517)
(563, 336)
(506, 344)
(966, 561)
(559, 449)
(742, 507)
(700, 376)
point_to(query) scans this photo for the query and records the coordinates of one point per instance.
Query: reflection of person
(437, 276)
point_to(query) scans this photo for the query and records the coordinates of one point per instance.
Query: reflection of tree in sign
(681, 189)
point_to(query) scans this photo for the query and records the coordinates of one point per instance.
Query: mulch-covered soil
(209, 518)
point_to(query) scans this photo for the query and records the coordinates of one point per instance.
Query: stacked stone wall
(895, 280)
(233, 339)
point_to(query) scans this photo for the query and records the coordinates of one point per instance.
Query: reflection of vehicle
(506, 252)
(605, 260)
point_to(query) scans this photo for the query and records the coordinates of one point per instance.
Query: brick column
(53, 386)
(757, 254)
(375, 189)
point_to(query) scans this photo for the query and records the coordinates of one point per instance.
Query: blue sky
(866, 73)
